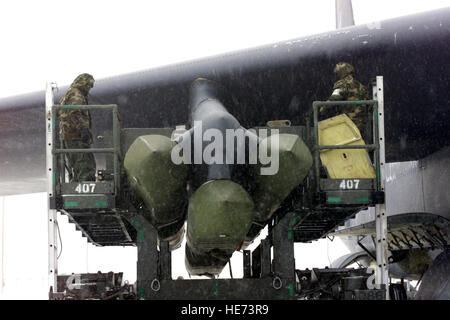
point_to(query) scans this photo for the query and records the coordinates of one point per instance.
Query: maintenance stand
(103, 212)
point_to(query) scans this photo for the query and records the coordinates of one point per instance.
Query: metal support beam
(165, 258)
(51, 187)
(148, 256)
(382, 277)
(260, 260)
(247, 264)
(283, 253)
(265, 262)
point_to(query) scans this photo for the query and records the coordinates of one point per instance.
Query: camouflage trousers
(81, 165)
(359, 118)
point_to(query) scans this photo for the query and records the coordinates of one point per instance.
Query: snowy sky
(56, 40)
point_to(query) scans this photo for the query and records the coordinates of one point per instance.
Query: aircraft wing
(277, 81)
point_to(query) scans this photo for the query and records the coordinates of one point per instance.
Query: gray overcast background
(56, 40)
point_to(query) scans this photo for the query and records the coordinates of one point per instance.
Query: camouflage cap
(83, 81)
(343, 69)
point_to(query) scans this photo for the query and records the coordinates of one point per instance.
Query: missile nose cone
(159, 184)
(294, 161)
(219, 216)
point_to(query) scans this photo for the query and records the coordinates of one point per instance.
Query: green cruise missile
(294, 163)
(219, 216)
(225, 204)
(159, 184)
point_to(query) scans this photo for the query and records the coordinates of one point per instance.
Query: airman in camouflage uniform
(348, 88)
(76, 129)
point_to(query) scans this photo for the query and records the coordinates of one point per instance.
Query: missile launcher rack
(102, 211)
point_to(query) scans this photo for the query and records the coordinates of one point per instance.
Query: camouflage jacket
(73, 120)
(348, 88)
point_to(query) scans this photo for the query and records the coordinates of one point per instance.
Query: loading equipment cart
(103, 212)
